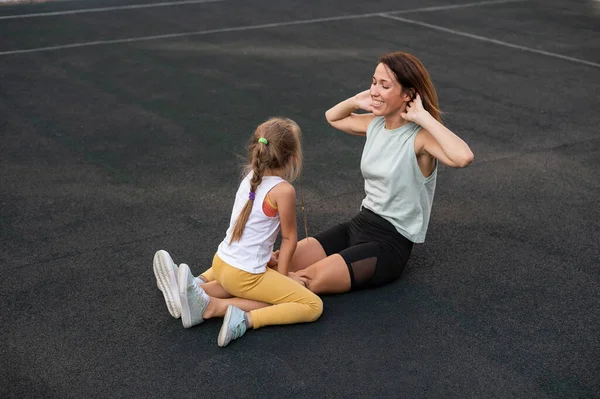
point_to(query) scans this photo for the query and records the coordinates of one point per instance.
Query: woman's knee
(328, 276)
(308, 251)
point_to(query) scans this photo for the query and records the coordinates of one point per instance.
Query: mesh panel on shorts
(363, 270)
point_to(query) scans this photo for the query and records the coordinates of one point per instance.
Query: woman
(405, 139)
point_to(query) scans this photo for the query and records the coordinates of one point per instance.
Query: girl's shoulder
(283, 192)
(283, 187)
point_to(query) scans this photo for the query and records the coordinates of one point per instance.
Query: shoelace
(200, 302)
(238, 330)
(197, 290)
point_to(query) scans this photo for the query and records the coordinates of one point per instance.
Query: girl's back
(253, 250)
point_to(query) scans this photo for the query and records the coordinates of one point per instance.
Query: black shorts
(375, 252)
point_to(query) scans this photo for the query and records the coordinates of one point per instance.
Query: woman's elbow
(328, 116)
(465, 160)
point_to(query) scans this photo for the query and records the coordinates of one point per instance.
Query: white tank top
(252, 252)
(395, 187)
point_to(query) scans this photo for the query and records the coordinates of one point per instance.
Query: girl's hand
(414, 110)
(300, 280)
(363, 100)
(274, 261)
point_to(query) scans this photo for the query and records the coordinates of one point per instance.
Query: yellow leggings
(292, 303)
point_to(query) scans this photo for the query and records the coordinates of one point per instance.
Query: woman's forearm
(453, 146)
(341, 110)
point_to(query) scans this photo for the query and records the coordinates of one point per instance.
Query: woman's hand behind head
(414, 110)
(364, 100)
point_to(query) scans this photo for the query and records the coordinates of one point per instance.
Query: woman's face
(386, 92)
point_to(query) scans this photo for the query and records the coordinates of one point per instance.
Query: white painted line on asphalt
(455, 6)
(261, 26)
(490, 40)
(104, 9)
(186, 34)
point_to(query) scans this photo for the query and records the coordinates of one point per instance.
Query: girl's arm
(436, 139)
(342, 116)
(284, 197)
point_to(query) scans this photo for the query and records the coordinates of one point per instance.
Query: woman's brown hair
(281, 154)
(414, 78)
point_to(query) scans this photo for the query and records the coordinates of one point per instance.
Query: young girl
(265, 204)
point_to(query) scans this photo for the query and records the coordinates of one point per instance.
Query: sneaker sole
(186, 319)
(223, 331)
(167, 282)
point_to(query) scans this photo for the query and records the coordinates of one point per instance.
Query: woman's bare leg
(327, 276)
(318, 272)
(308, 251)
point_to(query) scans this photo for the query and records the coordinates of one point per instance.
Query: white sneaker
(192, 297)
(165, 271)
(234, 325)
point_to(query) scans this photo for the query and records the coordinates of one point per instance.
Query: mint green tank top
(395, 187)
